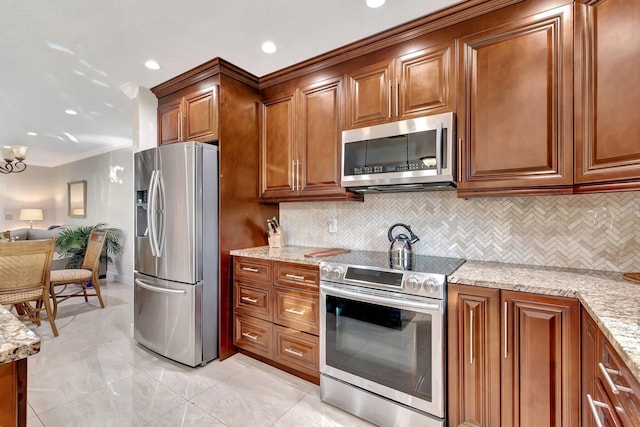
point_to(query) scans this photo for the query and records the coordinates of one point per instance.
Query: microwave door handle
(439, 148)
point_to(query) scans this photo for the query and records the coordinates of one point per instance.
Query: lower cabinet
(276, 313)
(13, 393)
(610, 392)
(513, 358)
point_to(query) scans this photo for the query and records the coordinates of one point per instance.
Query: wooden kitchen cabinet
(301, 143)
(276, 313)
(607, 150)
(513, 358)
(609, 390)
(412, 85)
(474, 356)
(515, 104)
(13, 393)
(189, 117)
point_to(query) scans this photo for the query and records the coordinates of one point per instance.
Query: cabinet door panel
(369, 97)
(253, 299)
(296, 349)
(201, 116)
(424, 79)
(298, 310)
(608, 83)
(474, 356)
(169, 122)
(540, 373)
(277, 144)
(319, 142)
(516, 119)
(253, 334)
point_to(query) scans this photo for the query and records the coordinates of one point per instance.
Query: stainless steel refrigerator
(176, 251)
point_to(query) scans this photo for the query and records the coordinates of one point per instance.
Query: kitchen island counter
(612, 301)
(16, 340)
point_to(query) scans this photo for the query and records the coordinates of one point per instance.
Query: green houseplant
(72, 243)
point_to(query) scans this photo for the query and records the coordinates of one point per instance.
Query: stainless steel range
(382, 337)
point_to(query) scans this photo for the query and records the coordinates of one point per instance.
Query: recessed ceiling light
(152, 65)
(269, 47)
(375, 3)
(71, 137)
(71, 112)
(32, 134)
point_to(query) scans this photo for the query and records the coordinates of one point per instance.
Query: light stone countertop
(286, 254)
(16, 340)
(613, 302)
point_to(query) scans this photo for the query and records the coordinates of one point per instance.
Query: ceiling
(89, 56)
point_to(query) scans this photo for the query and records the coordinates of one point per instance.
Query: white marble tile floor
(95, 374)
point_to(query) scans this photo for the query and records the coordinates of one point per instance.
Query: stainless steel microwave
(408, 155)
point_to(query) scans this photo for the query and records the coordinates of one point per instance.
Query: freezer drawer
(167, 318)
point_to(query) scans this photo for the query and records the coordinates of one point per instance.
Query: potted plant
(73, 242)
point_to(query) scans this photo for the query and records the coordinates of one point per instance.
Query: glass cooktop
(420, 263)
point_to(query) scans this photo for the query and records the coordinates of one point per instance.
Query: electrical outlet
(8, 217)
(333, 225)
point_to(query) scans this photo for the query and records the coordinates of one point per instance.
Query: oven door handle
(370, 297)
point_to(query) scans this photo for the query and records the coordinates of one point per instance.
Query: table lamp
(31, 215)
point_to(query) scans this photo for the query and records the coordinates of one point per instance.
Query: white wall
(145, 120)
(109, 179)
(110, 198)
(33, 188)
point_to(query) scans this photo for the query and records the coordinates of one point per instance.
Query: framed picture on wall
(77, 196)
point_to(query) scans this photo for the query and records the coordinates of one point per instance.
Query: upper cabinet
(412, 85)
(191, 116)
(301, 143)
(607, 95)
(515, 105)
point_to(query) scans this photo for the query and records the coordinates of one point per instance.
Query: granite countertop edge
(17, 341)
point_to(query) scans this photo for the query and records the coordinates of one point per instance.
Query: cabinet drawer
(296, 349)
(252, 334)
(256, 269)
(296, 309)
(252, 298)
(620, 385)
(299, 276)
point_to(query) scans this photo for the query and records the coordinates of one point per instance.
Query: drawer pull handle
(294, 352)
(615, 388)
(253, 270)
(294, 311)
(251, 300)
(250, 336)
(294, 277)
(594, 411)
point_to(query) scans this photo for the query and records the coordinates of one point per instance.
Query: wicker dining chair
(24, 279)
(74, 282)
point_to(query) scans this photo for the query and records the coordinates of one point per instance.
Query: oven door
(386, 343)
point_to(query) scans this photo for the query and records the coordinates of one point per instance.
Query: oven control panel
(408, 282)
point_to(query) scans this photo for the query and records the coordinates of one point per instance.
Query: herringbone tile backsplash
(595, 231)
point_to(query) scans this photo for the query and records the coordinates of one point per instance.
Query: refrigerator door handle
(160, 290)
(151, 214)
(161, 229)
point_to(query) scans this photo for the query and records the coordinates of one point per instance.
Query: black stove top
(380, 260)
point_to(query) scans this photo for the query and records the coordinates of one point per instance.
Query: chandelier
(13, 156)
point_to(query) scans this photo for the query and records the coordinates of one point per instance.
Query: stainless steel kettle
(401, 251)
